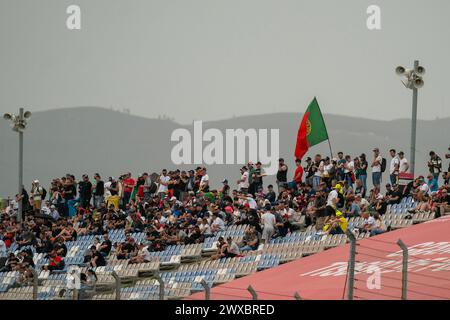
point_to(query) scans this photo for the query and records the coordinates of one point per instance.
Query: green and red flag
(312, 130)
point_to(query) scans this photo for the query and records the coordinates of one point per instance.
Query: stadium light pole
(19, 124)
(413, 80)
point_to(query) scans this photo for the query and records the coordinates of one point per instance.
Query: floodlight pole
(414, 123)
(20, 168)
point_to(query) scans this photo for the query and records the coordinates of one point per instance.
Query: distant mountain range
(92, 139)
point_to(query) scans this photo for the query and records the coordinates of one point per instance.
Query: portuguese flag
(312, 130)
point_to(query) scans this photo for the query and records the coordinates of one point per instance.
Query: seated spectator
(97, 259)
(337, 224)
(378, 227)
(250, 241)
(393, 194)
(55, 262)
(105, 246)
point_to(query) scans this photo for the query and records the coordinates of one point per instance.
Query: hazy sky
(211, 59)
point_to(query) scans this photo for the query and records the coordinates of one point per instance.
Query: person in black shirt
(105, 247)
(97, 259)
(99, 191)
(442, 203)
(393, 195)
(271, 195)
(85, 190)
(282, 174)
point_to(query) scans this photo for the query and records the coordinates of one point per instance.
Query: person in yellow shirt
(337, 224)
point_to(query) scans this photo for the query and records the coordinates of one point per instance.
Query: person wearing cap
(337, 224)
(36, 194)
(225, 190)
(376, 168)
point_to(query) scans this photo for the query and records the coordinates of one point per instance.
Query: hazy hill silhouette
(92, 139)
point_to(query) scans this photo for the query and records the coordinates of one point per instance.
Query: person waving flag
(312, 130)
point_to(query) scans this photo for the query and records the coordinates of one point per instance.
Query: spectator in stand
(341, 163)
(349, 168)
(404, 164)
(309, 171)
(268, 221)
(243, 182)
(37, 193)
(394, 167)
(298, 176)
(250, 241)
(55, 262)
(432, 184)
(282, 175)
(128, 185)
(435, 165)
(97, 259)
(393, 194)
(98, 191)
(378, 227)
(85, 191)
(376, 168)
(318, 169)
(363, 165)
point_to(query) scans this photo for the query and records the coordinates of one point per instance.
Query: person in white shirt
(2, 249)
(319, 167)
(107, 186)
(376, 168)
(163, 181)
(333, 197)
(204, 181)
(394, 167)
(217, 224)
(243, 181)
(268, 220)
(404, 165)
(349, 167)
(46, 208)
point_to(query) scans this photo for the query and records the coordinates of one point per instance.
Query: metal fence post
(161, 286)
(404, 248)
(351, 264)
(253, 293)
(75, 294)
(35, 283)
(207, 289)
(297, 296)
(118, 283)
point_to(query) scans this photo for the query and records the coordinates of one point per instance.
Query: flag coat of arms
(312, 130)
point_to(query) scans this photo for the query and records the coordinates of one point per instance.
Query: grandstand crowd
(181, 207)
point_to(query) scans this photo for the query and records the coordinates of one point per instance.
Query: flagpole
(331, 151)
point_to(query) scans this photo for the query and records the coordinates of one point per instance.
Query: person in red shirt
(298, 176)
(55, 262)
(128, 185)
